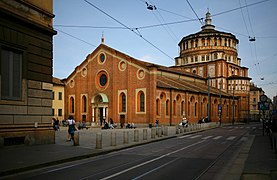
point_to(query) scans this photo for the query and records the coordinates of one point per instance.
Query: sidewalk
(261, 161)
(22, 158)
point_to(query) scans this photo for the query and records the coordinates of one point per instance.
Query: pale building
(58, 99)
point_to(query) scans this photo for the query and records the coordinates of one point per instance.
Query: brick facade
(150, 91)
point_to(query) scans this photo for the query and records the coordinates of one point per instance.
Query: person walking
(71, 129)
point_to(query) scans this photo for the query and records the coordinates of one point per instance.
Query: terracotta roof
(183, 85)
(57, 81)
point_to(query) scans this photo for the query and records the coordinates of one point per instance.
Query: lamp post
(209, 100)
(233, 107)
(220, 103)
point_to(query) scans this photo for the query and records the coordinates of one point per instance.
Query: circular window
(71, 83)
(122, 65)
(102, 57)
(140, 74)
(84, 72)
(103, 80)
(162, 96)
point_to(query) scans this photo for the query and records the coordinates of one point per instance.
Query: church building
(110, 84)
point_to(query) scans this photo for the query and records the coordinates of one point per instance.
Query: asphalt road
(203, 155)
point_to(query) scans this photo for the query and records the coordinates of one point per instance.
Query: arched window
(203, 42)
(215, 55)
(174, 108)
(84, 103)
(188, 108)
(141, 101)
(157, 107)
(71, 105)
(122, 102)
(208, 41)
(195, 109)
(167, 107)
(182, 108)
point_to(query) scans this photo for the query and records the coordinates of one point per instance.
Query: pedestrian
(184, 122)
(57, 124)
(157, 122)
(54, 123)
(71, 129)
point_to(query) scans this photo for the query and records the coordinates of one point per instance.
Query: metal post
(209, 100)
(220, 110)
(233, 107)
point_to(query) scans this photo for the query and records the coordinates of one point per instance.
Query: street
(202, 155)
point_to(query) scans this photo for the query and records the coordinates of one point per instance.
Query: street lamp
(233, 108)
(220, 109)
(209, 100)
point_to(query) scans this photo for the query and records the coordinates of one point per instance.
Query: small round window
(103, 80)
(102, 58)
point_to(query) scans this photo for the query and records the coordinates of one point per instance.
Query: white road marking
(207, 137)
(180, 137)
(152, 160)
(196, 136)
(217, 137)
(231, 138)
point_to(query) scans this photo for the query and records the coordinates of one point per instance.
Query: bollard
(136, 135)
(76, 139)
(159, 132)
(99, 141)
(126, 137)
(113, 139)
(181, 129)
(162, 129)
(177, 129)
(144, 134)
(153, 133)
(166, 131)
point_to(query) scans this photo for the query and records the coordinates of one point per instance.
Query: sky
(153, 35)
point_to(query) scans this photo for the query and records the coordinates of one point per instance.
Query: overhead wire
(169, 23)
(88, 26)
(234, 9)
(251, 43)
(138, 34)
(75, 37)
(199, 19)
(166, 27)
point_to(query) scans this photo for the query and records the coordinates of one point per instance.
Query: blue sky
(257, 21)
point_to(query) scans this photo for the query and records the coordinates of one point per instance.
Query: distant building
(58, 99)
(255, 93)
(274, 104)
(26, 48)
(212, 53)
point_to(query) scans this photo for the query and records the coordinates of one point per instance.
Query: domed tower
(211, 53)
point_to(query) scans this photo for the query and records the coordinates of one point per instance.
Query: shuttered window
(11, 75)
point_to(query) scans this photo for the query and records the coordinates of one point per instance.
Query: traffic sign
(263, 105)
(263, 98)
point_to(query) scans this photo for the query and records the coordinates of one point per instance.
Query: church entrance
(99, 104)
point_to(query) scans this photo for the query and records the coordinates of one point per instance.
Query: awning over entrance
(103, 99)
